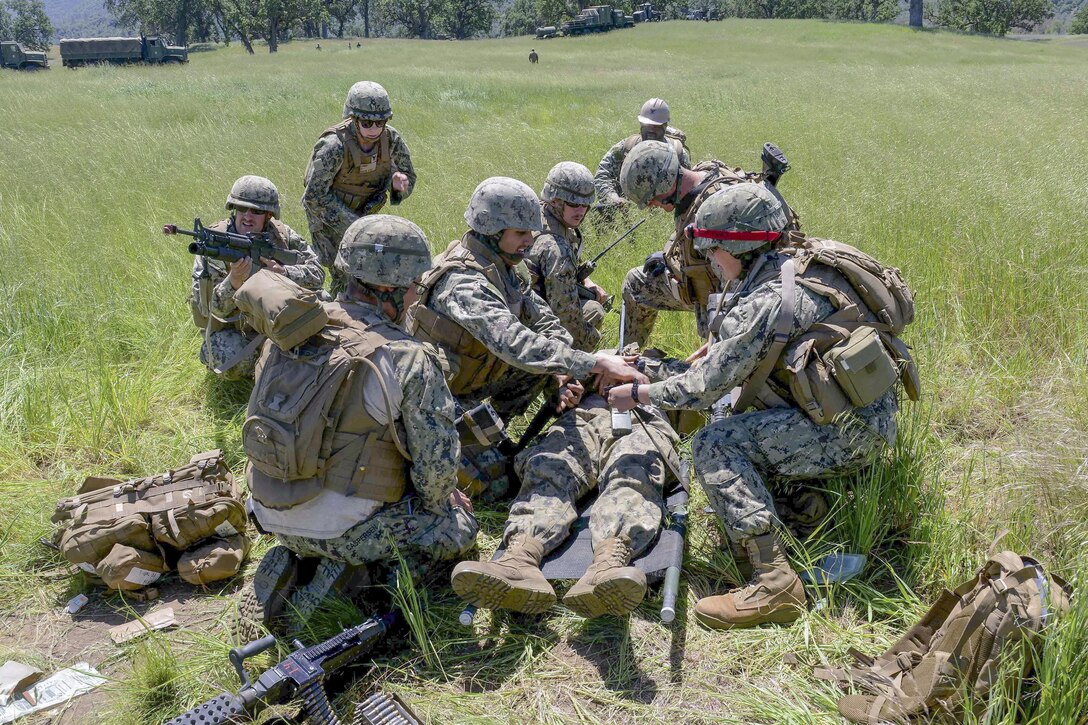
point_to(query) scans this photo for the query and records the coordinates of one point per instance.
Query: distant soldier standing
(653, 120)
(533, 57)
(356, 165)
(556, 255)
(230, 346)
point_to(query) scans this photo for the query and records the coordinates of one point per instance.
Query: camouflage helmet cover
(382, 249)
(500, 203)
(570, 182)
(654, 112)
(650, 170)
(369, 101)
(740, 208)
(254, 192)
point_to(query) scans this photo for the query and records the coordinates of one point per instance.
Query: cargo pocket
(88, 543)
(128, 569)
(181, 528)
(214, 560)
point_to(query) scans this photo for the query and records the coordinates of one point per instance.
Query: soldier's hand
(701, 352)
(614, 369)
(596, 289)
(570, 394)
(400, 182)
(459, 499)
(273, 266)
(619, 398)
(239, 272)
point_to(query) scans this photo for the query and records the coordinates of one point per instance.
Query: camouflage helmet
(503, 203)
(382, 249)
(650, 170)
(654, 112)
(255, 192)
(369, 101)
(743, 210)
(569, 182)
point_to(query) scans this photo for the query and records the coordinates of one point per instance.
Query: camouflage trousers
(218, 348)
(734, 458)
(578, 454)
(422, 537)
(326, 241)
(645, 296)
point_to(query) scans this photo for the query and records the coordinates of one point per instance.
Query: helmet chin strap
(395, 297)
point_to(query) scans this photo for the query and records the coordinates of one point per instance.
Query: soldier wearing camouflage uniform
(501, 340)
(230, 346)
(653, 119)
(575, 456)
(392, 486)
(356, 166)
(741, 230)
(680, 278)
(556, 255)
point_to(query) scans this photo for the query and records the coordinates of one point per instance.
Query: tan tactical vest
(696, 280)
(472, 365)
(126, 534)
(676, 142)
(200, 303)
(848, 359)
(307, 429)
(362, 175)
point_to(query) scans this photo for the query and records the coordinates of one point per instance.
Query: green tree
(27, 23)
(1079, 25)
(177, 18)
(994, 17)
(413, 18)
(520, 18)
(238, 18)
(467, 18)
(341, 11)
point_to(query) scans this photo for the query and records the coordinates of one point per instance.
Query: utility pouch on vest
(481, 426)
(281, 310)
(129, 533)
(862, 366)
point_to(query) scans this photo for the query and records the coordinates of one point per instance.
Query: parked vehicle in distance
(75, 52)
(594, 19)
(14, 55)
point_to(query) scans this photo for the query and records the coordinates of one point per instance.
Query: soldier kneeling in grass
(802, 306)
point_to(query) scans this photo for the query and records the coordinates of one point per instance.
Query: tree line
(25, 21)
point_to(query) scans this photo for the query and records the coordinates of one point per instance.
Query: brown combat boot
(514, 581)
(774, 593)
(609, 586)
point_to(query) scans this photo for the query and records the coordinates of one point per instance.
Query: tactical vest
(199, 304)
(675, 142)
(362, 176)
(128, 534)
(696, 280)
(307, 429)
(848, 359)
(956, 653)
(472, 365)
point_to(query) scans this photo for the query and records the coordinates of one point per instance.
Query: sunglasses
(367, 123)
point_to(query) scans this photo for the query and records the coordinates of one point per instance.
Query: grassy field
(962, 160)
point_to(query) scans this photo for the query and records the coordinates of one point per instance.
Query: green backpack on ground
(955, 652)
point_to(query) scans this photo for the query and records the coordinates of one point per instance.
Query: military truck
(646, 14)
(14, 55)
(594, 19)
(75, 52)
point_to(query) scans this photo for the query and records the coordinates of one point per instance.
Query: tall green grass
(964, 161)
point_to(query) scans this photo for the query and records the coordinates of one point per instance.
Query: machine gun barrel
(230, 247)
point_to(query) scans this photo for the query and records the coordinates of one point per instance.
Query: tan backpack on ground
(956, 650)
(129, 533)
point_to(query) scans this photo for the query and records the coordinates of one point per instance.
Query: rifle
(231, 247)
(775, 163)
(586, 268)
(300, 676)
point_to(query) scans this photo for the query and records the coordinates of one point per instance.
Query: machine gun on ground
(301, 676)
(231, 247)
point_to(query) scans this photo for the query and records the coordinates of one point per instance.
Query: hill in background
(81, 18)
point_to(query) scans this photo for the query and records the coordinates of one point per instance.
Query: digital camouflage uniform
(606, 180)
(734, 457)
(329, 213)
(646, 296)
(228, 335)
(577, 454)
(554, 261)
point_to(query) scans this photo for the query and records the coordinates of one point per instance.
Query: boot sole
(616, 597)
(490, 592)
(274, 582)
(786, 615)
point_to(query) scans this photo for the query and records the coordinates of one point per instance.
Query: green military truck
(75, 52)
(594, 19)
(14, 55)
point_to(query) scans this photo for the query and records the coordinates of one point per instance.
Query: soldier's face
(249, 221)
(726, 266)
(664, 201)
(652, 132)
(516, 242)
(573, 214)
(369, 131)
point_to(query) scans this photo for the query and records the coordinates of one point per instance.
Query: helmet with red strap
(739, 219)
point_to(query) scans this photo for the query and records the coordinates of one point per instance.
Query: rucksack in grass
(956, 650)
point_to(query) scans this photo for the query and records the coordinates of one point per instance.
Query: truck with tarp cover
(594, 19)
(14, 55)
(75, 52)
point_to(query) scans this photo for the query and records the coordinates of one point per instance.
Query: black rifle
(300, 676)
(775, 163)
(586, 268)
(231, 247)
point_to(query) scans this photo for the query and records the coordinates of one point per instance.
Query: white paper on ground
(54, 690)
